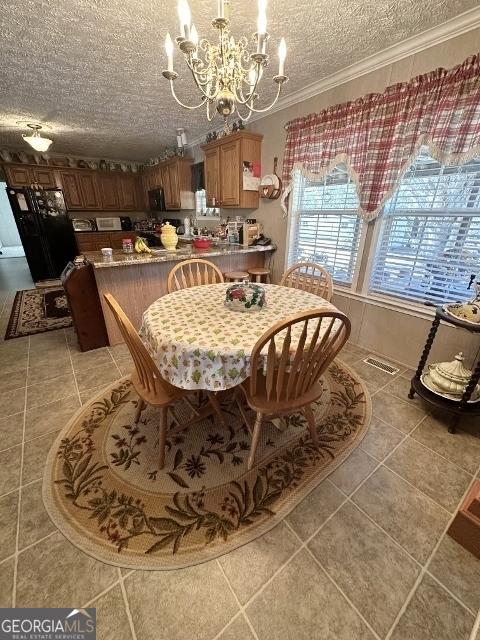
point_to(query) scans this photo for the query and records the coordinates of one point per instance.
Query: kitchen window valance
(378, 136)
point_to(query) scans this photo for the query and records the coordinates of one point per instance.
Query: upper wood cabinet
(84, 190)
(127, 194)
(175, 178)
(224, 162)
(109, 189)
(71, 189)
(89, 190)
(25, 175)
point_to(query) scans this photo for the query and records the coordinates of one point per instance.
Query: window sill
(402, 306)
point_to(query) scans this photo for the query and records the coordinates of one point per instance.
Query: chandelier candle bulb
(185, 18)
(169, 51)
(220, 9)
(194, 35)
(261, 25)
(282, 54)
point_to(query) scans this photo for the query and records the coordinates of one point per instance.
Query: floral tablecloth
(198, 343)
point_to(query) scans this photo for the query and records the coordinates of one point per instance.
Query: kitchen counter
(137, 280)
(120, 259)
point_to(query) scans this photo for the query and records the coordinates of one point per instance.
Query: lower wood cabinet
(96, 240)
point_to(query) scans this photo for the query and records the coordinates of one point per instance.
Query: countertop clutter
(120, 259)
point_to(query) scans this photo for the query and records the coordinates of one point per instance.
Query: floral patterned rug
(38, 310)
(104, 491)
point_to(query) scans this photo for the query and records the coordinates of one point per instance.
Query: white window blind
(324, 224)
(429, 239)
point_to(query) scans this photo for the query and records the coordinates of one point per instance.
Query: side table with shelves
(459, 407)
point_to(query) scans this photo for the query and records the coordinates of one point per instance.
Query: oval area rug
(103, 490)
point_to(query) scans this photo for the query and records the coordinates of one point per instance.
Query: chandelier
(226, 73)
(34, 139)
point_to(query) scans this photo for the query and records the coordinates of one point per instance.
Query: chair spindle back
(310, 277)
(193, 273)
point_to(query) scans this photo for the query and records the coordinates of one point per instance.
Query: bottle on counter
(127, 245)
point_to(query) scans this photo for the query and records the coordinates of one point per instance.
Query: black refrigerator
(45, 229)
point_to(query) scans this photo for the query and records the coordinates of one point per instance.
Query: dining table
(199, 343)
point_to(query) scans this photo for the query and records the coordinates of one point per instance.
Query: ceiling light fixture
(35, 140)
(228, 76)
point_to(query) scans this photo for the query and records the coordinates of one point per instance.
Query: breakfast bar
(137, 280)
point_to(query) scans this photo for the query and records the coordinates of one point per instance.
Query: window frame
(361, 242)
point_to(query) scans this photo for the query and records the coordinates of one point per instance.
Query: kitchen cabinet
(89, 190)
(175, 178)
(97, 240)
(25, 175)
(224, 162)
(109, 187)
(72, 190)
(127, 193)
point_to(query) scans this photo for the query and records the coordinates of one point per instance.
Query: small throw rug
(103, 489)
(38, 310)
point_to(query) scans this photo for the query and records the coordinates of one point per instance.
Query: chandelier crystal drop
(226, 73)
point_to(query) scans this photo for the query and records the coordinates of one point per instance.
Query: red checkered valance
(379, 135)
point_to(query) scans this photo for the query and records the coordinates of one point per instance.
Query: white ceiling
(92, 68)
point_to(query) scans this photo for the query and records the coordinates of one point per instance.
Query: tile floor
(363, 556)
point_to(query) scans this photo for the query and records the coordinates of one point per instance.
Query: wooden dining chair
(148, 382)
(311, 277)
(289, 381)
(192, 273)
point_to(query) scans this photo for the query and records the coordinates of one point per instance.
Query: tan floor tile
(8, 524)
(459, 571)
(17, 348)
(399, 508)
(51, 390)
(52, 369)
(12, 402)
(381, 438)
(35, 523)
(11, 430)
(34, 457)
(6, 583)
(12, 362)
(87, 396)
(54, 573)
(125, 365)
(396, 412)
(435, 476)
(301, 603)
(112, 620)
(371, 569)
(10, 469)
(315, 509)
(250, 566)
(462, 448)
(97, 376)
(47, 340)
(119, 351)
(50, 417)
(353, 471)
(13, 380)
(154, 598)
(374, 378)
(237, 630)
(433, 615)
(400, 387)
(88, 359)
(45, 355)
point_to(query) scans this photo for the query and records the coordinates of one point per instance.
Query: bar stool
(258, 274)
(235, 276)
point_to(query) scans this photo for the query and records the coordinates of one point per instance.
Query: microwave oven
(108, 224)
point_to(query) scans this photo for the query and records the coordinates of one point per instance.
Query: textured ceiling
(92, 68)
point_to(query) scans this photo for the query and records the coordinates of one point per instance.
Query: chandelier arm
(186, 106)
(239, 95)
(244, 118)
(270, 106)
(209, 117)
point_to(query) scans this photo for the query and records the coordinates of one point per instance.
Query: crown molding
(436, 35)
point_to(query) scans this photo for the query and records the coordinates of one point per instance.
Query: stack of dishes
(449, 379)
